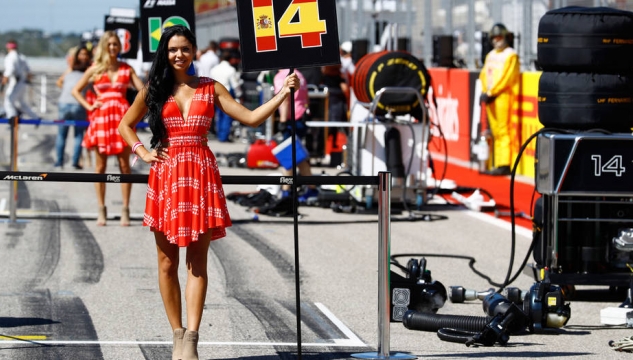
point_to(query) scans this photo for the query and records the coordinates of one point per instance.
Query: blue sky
(58, 15)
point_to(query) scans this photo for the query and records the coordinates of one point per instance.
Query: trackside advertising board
(462, 119)
(281, 34)
(159, 14)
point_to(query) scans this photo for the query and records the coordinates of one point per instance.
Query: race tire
(391, 69)
(583, 101)
(579, 39)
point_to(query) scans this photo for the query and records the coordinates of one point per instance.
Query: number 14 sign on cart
(282, 34)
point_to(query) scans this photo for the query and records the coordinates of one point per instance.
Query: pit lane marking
(520, 230)
(351, 341)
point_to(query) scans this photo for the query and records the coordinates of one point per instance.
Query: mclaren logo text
(41, 177)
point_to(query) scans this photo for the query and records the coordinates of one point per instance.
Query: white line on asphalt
(352, 338)
(343, 343)
(520, 230)
(351, 341)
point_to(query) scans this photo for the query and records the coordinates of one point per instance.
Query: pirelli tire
(579, 39)
(583, 101)
(375, 71)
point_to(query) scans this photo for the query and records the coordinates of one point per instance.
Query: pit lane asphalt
(72, 290)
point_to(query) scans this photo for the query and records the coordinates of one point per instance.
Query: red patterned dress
(103, 130)
(184, 193)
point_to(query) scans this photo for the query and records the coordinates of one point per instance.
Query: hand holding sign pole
(286, 34)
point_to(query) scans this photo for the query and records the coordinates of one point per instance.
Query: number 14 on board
(301, 19)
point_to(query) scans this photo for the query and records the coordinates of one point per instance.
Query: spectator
(69, 107)
(311, 74)
(301, 102)
(110, 79)
(208, 59)
(347, 71)
(337, 90)
(347, 64)
(227, 75)
(498, 78)
(252, 99)
(16, 76)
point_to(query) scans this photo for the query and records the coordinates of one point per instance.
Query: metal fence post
(384, 283)
(268, 91)
(13, 188)
(43, 94)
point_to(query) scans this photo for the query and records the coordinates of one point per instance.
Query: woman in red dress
(185, 204)
(110, 79)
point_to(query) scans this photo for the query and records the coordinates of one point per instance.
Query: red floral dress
(184, 193)
(103, 131)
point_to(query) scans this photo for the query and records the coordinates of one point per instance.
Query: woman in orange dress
(110, 79)
(185, 203)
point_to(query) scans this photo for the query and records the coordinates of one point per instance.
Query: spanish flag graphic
(264, 17)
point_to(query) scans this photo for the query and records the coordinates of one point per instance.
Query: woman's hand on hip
(156, 155)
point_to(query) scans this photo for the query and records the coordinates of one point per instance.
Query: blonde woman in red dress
(110, 79)
(185, 204)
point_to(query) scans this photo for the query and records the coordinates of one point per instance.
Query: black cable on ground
(456, 336)
(471, 263)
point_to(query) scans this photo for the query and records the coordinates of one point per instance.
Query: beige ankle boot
(125, 216)
(190, 346)
(179, 335)
(102, 216)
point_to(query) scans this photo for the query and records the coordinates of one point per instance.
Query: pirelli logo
(617, 41)
(40, 177)
(624, 100)
(397, 108)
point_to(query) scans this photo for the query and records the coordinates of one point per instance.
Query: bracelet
(134, 147)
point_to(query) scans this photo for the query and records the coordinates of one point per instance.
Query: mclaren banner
(159, 14)
(278, 34)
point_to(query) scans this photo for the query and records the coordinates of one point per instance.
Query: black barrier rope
(59, 122)
(226, 179)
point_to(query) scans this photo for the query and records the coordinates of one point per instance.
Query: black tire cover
(393, 69)
(583, 101)
(580, 39)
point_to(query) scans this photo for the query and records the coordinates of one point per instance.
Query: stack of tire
(586, 55)
(375, 71)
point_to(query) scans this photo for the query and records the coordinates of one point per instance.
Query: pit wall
(462, 118)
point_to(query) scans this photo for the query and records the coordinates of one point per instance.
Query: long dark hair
(161, 81)
(78, 65)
